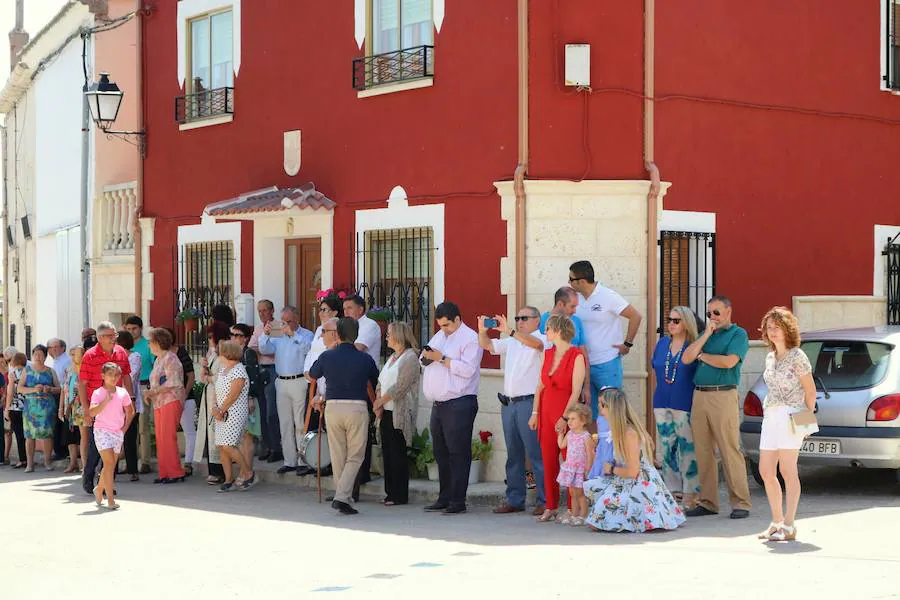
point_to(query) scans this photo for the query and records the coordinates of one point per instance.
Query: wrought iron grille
(687, 273)
(393, 67)
(12, 334)
(204, 103)
(28, 341)
(892, 263)
(892, 45)
(394, 271)
(204, 277)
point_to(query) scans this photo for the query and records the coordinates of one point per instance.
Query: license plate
(815, 446)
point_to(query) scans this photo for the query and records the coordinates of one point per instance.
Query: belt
(145, 382)
(289, 377)
(506, 400)
(715, 388)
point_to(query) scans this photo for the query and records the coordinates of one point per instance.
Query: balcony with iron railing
(409, 64)
(204, 104)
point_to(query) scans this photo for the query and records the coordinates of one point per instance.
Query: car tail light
(752, 405)
(886, 408)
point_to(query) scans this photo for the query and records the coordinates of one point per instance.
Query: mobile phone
(277, 329)
(488, 323)
(426, 361)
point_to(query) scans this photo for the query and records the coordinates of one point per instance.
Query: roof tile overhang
(271, 200)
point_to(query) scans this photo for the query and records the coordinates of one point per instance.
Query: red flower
(605, 501)
(646, 483)
(485, 436)
(342, 295)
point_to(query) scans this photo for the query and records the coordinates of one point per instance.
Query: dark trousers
(60, 432)
(268, 411)
(396, 467)
(90, 465)
(131, 446)
(18, 429)
(451, 429)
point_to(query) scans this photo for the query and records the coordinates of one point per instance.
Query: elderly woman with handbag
(787, 418)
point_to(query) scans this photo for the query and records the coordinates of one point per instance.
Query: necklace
(671, 375)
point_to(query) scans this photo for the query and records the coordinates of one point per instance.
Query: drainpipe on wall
(5, 223)
(652, 202)
(522, 167)
(139, 191)
(85, 194)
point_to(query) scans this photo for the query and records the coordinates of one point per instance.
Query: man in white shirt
(369, 341)
(599, 309)
(523, 350)
(452, 361)
(270, 448)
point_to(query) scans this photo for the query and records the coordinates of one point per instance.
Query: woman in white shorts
(788, 376)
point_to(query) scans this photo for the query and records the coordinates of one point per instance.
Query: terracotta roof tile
(272, 199)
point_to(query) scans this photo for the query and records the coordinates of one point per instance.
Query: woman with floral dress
(672, 403)
(631, 496)
(71, 411)
(38, 385)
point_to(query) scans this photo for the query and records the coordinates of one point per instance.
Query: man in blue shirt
(565, 302)
(351, 373)
(289, 348)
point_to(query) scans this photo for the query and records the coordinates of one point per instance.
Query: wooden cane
(319, 462)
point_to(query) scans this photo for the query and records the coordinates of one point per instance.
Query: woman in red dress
(562, 377)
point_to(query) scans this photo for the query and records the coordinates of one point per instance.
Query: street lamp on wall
(104, 99)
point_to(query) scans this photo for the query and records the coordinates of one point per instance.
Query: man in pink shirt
(452, 361)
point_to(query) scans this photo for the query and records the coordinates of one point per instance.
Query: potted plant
(421, 456)
(381, 315)
(333, 293)
(189, 318)
(481, 451)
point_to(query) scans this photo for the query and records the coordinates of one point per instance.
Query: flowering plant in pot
(481, 451)
(336, 294)
(189, 318)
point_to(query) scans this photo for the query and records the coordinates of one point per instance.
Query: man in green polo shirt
(135, 326)
(714, 415)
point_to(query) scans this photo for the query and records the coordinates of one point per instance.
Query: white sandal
(768, 533)
(785, 533)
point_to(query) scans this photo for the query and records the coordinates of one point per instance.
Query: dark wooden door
(303, 278)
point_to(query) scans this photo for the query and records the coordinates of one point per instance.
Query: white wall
(58, 102)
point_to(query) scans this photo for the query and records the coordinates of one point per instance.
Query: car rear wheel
(754, 471)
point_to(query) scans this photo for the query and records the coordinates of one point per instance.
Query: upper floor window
(891, 45)
(210, 82)
(399, 43)
(400, 24)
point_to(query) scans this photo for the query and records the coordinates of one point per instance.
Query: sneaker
(225, 487)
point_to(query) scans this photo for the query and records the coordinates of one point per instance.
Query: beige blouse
(404, 392)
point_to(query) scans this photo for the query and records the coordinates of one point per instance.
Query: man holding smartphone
(290, 350)
(523, 349)
(452, 361)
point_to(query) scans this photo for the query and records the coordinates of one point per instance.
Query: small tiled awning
(271, 200)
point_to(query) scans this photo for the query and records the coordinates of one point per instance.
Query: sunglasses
(525, 318)
(674, 320)
(324, 309)
(236, 334)
(716, 312)
(329, 330)
(574, 279)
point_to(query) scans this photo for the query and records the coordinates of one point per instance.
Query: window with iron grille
(399, 43)
(210, 84)
(12, 334)
(204, 274)
(687, 264)
(395, 270)
(891, 76)
(28, 341)
(892, 267)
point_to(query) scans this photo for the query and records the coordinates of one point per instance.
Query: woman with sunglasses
(217, 332)
(672, 402)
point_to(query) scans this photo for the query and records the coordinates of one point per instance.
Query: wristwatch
(512, 333)
(628, 344)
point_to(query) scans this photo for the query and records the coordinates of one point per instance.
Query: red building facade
(780, 144)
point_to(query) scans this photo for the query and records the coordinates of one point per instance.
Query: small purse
(804, 422)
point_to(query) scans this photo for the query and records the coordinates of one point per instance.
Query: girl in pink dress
(579, 447)
(112, 410)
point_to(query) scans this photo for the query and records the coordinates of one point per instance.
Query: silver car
(857, 375)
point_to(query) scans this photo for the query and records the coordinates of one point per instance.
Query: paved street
(185, 541)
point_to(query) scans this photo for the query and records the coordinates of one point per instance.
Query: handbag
(804, 421)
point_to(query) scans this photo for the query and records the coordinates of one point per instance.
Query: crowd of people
(262, 391)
